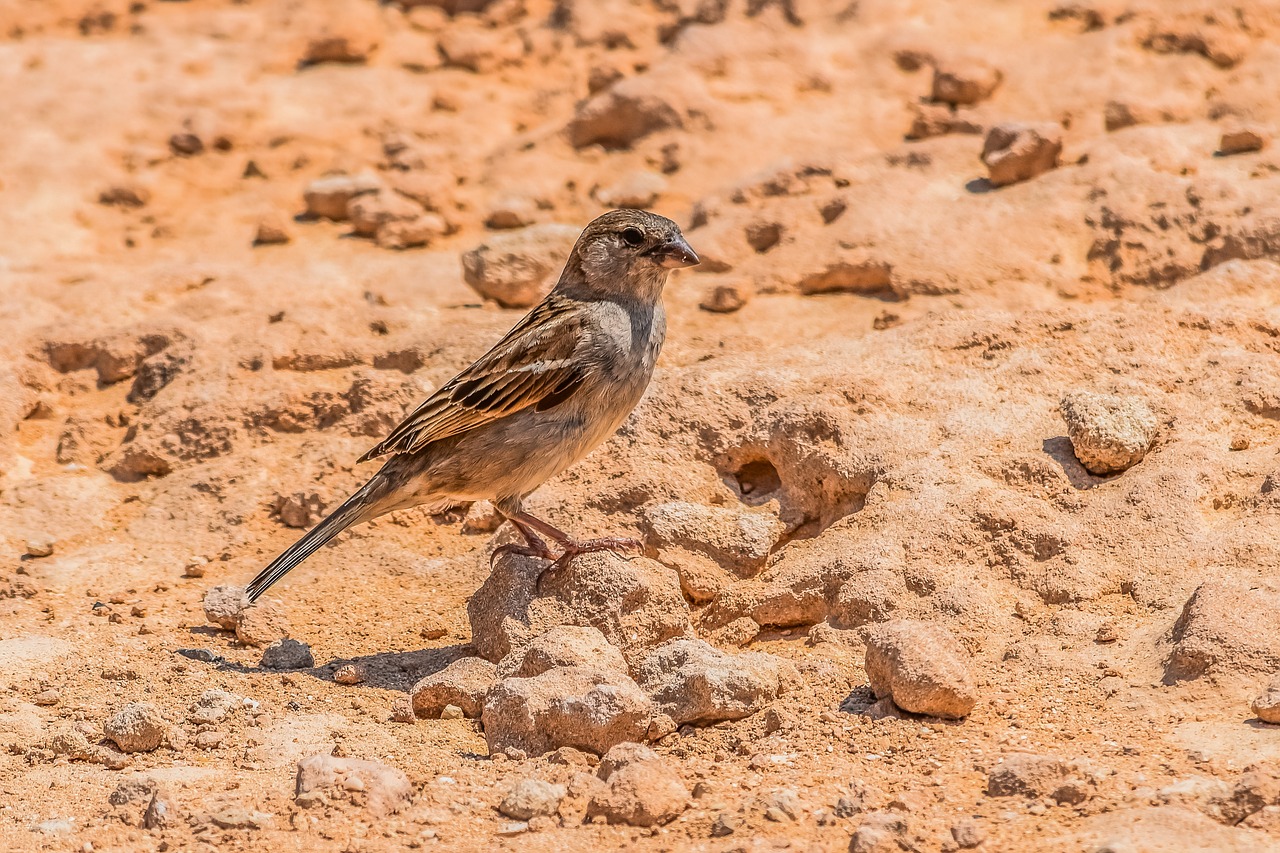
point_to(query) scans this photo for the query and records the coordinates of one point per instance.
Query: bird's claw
(589, 546)
(542, 553)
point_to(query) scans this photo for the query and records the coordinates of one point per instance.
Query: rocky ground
(958, 479)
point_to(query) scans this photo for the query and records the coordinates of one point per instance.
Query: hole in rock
(757, 480)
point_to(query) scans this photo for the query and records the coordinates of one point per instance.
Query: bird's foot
(573, 548)
(541, 551)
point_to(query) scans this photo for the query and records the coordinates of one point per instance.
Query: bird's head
(629, 252)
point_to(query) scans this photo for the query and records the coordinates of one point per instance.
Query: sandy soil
(191, 366)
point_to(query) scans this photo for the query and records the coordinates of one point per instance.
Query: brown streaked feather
(533, 365)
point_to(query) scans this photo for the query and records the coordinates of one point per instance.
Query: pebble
(921, 667)
(1019, 152)
(349, 674)
(1241, 140)
(530, 798)
(209, 740)
(271, 231)
(726, 823)
(287, 654)
(138, 727)
(38, 548)
(1267, 704)
(1109, 434)
(726, 298)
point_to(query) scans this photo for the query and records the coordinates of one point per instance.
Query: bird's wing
(533, 365)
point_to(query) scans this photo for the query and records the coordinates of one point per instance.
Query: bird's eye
(632, 236)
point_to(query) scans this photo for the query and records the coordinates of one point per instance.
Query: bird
(547, 394)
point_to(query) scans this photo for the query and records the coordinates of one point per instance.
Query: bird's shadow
(385, 671)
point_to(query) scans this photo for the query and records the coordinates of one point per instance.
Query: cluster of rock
(262, 624)
(600, 654)
(392, 219)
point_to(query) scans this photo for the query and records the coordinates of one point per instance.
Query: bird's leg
(535, 548)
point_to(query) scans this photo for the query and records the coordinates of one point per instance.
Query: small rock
(383, 790)
(563, 645)
(161, 811)
(287, 654)
(262, 624)
(328, 197)
(480, 49)
(402, 710)
(38, 548)
(411, 233)
(137, 727)
(1109, 434)
(636, 603)
(213, 706)
(1107, 633)
(300, 510)
(348, 31)
(623, 754)
(1028, 775)
(511, 211)
(124, 195)
(48, 697)
(642, 788)
(1226, 626)
(967, 834)
(209, 740)
(964, 81)
(781, 806)
(939, 120)
(694, 682)
(856, 273)
(234, 816)
(349, 674)
(634, 189)
(452, 712)
(922, 667)
(463, 683)
(588, 709)
(223, 604)
(570, 757)
(272, 231)
(880, 832)
(1266, 705)
(186, 144)
(517, 268)
(1020, 152)
(132, 790)
(726, 298)
(737, 540)
(726, 823)
(368, 212)
(1241, 140)
(635, 107)
(532, 798)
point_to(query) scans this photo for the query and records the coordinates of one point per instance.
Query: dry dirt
(178, 387)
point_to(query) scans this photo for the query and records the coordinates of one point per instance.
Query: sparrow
(547, 394)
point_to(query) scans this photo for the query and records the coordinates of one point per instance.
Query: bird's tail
(362, 506)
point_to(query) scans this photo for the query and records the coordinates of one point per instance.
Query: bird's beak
(674, 253)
